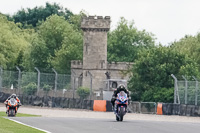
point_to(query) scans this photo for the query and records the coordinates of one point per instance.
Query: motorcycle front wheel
(117, 118)
(11, 113)
(121, 113)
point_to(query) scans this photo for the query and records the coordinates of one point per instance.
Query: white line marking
(28, 125)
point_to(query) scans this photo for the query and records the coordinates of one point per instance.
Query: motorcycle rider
(15, 97)
(121, 87)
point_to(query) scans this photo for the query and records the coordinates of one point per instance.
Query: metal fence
(186, 91)
(16, 82)
(143, 107)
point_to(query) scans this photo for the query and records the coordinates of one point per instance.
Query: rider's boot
(115, 109)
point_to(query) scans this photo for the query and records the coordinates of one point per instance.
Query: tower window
(86, 47)
(102, 62)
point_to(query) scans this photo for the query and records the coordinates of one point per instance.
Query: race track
(92, 125)
(57, 120)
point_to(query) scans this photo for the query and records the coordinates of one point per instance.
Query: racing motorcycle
(12, 107)
(121, 104)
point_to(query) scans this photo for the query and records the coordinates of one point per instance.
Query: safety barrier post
(19, 80)
(186, 86)
(56, 78)
(1, 77)
(175, 90)
(74, 78)
(196, 89)
(38, 83)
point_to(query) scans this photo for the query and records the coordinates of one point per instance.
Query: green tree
(126, 41)
(33, 16)
(37, 56)
(151, 80)
(12, 43)
(54, 46)
(190, 46)
(76, 19)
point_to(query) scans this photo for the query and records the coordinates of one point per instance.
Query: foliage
(83, 92)
(126, 41)
(30, 17)
(12, 43)
(55, 45)
(190, 46)
(46, 88)
(158, 95)
(75, 20)
(30, 89)
(67, 87)
(36, 55)
(70, 45)
(50, 37)
(152, 71)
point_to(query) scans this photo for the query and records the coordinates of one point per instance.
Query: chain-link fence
(42, 84)
(186, 91)
(54, 90)
(143, 107)
(36, 83)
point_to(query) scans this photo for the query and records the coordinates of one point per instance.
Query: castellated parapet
(119, 65)
(95, 23)
(77, 64)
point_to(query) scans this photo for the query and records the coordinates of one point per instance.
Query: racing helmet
(121, 86)
(13, 96)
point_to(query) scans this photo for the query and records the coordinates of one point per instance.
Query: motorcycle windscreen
(12, 101)
(122, 96)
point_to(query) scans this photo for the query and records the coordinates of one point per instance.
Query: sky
(168, 20)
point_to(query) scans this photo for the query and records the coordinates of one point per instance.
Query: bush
(83, 92)
(30, 89)
(158, 95)
(46, 88)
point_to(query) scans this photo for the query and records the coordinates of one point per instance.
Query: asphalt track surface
(93, 125)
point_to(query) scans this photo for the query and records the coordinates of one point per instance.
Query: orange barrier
(99, 105)
(159, 109)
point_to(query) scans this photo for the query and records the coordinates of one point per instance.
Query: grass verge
(3, 114)
(7, 126)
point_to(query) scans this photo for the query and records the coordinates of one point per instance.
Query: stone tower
(94, 67)
(94, 50)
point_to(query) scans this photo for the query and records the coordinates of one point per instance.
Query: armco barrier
(197, 111)
(3, 96)
(171, 109)
(183, 109)
(176, 109)
(135, 107)
(167, 109)
(59, 102)
(102, 105)
(108, 106)
(180, 109)
(190, 110)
